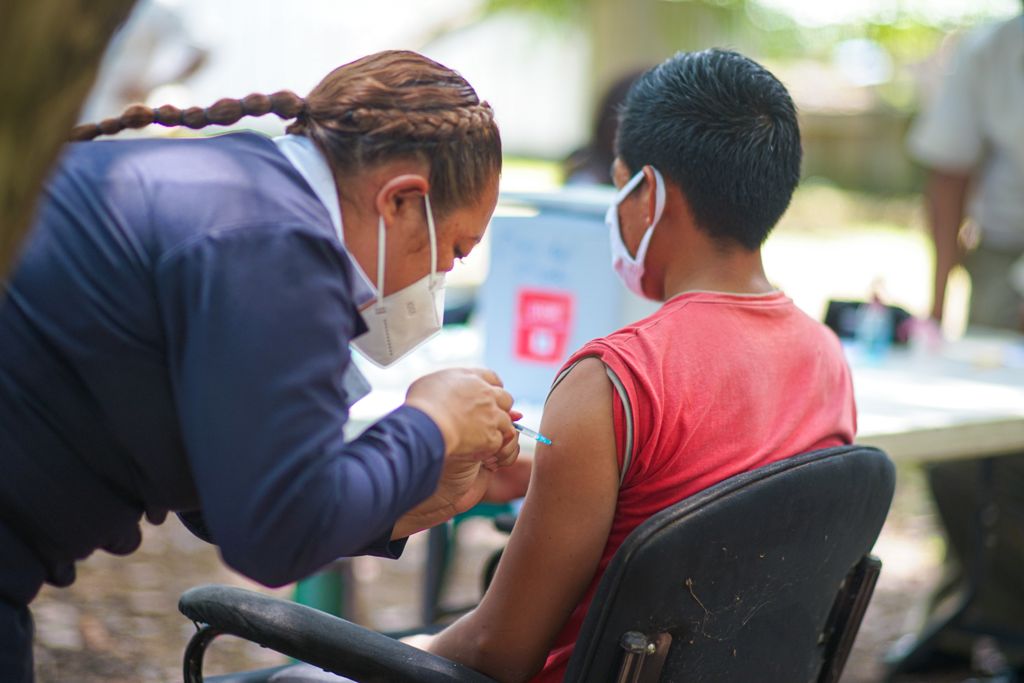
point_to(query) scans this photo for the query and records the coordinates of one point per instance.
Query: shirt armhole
(627, 410)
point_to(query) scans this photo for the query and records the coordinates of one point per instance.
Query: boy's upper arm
(558, 539)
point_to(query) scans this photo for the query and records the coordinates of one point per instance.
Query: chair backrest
(740, 580)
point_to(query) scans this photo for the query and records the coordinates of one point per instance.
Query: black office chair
(762, 577)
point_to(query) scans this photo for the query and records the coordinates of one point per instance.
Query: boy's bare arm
(558, 539)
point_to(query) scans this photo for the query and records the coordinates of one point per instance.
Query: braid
(435, 124)
(224, 112)
(393, 104)
(438, 124)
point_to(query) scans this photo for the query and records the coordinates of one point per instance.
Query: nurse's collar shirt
(313, 167)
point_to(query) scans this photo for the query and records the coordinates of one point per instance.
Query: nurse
(176, 335)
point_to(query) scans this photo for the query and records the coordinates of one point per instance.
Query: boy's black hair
(724, 129)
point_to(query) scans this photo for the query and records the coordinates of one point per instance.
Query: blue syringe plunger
(532, 434)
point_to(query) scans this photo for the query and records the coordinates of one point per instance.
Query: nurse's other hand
(463, 483)
(470, 407)
(461, 486)
(509, 483)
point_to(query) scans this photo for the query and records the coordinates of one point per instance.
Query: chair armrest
(318, 638)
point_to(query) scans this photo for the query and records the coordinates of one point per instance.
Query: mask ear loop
(433, 238)
(629, 186)
(659, 191)
(613, 209)
(380, 263)
(659, 207)
(659, 196)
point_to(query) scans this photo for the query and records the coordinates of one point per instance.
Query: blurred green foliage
(853, 129)
(908, 34)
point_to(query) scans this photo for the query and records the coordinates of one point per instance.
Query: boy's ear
(651, 194)
(620, 172)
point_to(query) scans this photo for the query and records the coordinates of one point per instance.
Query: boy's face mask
(401, 321)
(631, 268)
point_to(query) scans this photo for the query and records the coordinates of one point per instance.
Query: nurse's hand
(462, 485)
(470, 407)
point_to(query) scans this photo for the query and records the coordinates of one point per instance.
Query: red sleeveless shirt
(717, 384)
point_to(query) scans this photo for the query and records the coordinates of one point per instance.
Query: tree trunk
(50, 51)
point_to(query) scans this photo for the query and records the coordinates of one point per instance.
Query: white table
(966, 401)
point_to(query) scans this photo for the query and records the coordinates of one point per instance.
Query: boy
(727, 376)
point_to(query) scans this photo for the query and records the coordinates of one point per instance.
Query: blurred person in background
(154, 48)
(592, 164)
(970, 137)
(175, 335)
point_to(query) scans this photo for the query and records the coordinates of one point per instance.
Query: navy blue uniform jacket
(173, 339)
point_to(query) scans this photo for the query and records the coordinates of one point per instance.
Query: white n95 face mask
(631, 268)
(401, 321)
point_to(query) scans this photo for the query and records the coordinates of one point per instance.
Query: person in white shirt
(970, 138)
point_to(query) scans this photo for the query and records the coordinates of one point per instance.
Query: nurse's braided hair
(393, 104)
(224, 112)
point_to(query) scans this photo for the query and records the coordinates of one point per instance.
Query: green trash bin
(331, 590)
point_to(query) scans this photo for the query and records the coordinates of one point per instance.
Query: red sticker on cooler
(543, 324)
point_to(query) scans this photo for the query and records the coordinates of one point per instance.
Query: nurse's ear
(400, 202)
